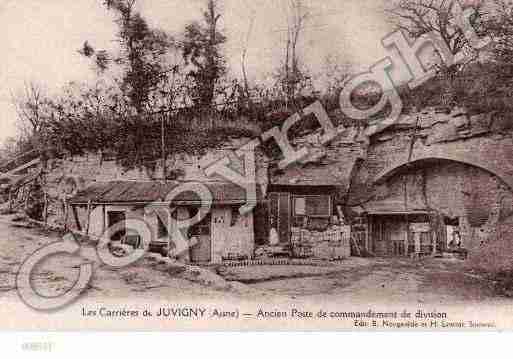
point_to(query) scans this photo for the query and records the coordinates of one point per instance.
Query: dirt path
(145, 279)
(391, 281)
(353, 281)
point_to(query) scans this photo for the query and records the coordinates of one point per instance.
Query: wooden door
(201, 251)
(398, 230)
(379, 236)
(221, 233)
(284, 218)
(280, 215)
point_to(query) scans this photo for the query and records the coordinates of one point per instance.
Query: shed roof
(153, 191)
(311, 175)
(391, 207)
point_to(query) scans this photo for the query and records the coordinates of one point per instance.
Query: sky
(40, 38)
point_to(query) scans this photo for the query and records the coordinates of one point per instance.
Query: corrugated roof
(146, 192)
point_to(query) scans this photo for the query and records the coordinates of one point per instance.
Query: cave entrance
(454, 239)
(403, 234)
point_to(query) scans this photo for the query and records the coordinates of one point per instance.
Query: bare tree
(31, 105)
(336, 71)
(244, 55)
(9, 148)
(292, 75)
(419, 17)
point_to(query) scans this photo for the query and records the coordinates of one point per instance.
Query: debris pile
(272, 251)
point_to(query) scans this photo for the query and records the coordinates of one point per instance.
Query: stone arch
(471, 232)
(395, 167)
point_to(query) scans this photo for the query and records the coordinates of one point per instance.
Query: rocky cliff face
(63, 177)
(456, 164)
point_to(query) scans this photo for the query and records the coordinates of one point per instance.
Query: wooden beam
(104, 218)
(367, 234)
(10, 200)
(27, 197)
(24, 166)
(75, 215)
(406, 243)
(89, 208)
(45, 210)
(66, 210)
(370, 239)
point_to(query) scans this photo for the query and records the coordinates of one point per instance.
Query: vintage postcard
(284, 165)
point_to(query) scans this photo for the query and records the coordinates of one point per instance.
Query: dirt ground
(146, 278)
(354, 280)
(390, 280)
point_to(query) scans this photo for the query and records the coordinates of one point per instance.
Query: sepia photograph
(265, 165)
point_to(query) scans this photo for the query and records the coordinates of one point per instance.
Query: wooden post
(10, 200)
(416, 238)
(367, 233)
(434, 238)
(163, 148)
(104, 215)
(65, 214)
(27, 197)
(75, 215)
(406, 235)
(89, 207)
(356, 245)
(45, 210)
(370, 238)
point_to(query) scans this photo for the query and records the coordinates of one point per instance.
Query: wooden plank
(284, 217)
(75, 215)
(10, 200)
(407, 229)
(89, 208)
(45, 209)
(356, 246)
(65, 215)
(370, 235)
(27, 197)
(416, 238)
(24, 167)
(104, 218)
(273, 211)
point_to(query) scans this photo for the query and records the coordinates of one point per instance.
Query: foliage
(145, 81)
(292, 75)
(201, 50)
(419, 17)
(142, 51)
(500, 27)
(139, 89)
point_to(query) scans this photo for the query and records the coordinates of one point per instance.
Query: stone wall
(64, 176)
(333, 243)
(458, 165)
